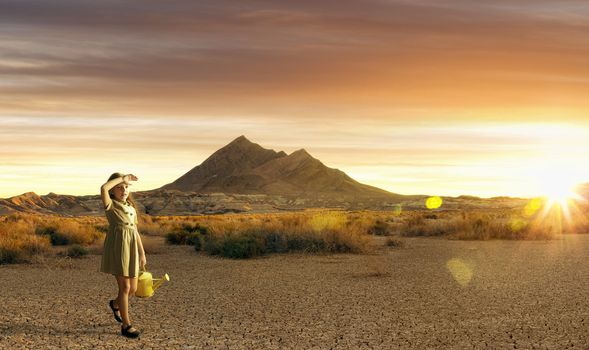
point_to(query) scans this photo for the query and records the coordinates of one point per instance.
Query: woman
(123, 249)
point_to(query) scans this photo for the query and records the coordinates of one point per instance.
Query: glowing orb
(461, 272)
(557, 185)
(517, 224)
(397, 209)
(532, 207)
(433, 202)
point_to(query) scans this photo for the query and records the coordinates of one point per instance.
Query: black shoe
(126, 333)
(114, 311)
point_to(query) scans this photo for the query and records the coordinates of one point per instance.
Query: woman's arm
(106, 187)
(112, 183)
(142, 258)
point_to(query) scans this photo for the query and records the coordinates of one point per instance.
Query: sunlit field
(26, 236)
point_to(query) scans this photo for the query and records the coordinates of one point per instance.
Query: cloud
(261, 54)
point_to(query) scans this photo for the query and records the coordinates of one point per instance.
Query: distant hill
(48, 204)
(243, 167)
(245, 177)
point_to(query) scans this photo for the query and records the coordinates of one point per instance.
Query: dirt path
(431, 293)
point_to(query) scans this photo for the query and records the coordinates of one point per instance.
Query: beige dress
(121, 254)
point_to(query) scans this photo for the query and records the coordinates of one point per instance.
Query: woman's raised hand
(129, 177)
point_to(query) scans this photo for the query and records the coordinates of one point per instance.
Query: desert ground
(430, 293)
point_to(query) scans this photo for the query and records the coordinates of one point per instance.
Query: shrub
(54, 237)
(195, 240)
(187, 234)
(289, 233)
(276, 243)
(176, 237)
(305, 243)
(68, 232)
(101, 228)
(327, 220)
(379, 228)
(183, 238)
(236, 246)
(11, 255)
(196, 228)
(242, 247)
(484, 225)
(76, 251)
(212, 246)
(152, 228)
(21, 248)
(394, 242)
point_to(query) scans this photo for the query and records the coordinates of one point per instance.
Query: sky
(433, 97)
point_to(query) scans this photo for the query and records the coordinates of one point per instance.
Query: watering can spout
(159, 281)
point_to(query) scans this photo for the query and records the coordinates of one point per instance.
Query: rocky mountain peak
(238, 157)
(241, 140)
(27, 196)
(301, 153)
(244, 167)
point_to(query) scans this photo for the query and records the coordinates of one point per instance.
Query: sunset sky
(416, 97)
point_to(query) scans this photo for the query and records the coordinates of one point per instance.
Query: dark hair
(129, 197)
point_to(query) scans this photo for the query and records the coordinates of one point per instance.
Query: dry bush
(482, 225)
(96, 248)
(313, 231)
(23, 236)
(152, 244)
(394, 241)
(18, 243)
(151, 228)
(76, 251)
(64, 231)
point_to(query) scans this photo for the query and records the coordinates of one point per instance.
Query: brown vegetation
(23, 236)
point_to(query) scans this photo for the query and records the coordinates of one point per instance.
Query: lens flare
(533, 206)
(557, 184)
(460, 270)
(397, 209)
(433, 202)
(517, 224)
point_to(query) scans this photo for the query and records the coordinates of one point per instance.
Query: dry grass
(394, 241)
(18, 242)
(23, 236)
(312, 231)
(540, 223)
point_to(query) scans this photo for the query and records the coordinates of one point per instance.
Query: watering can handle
(143, 268)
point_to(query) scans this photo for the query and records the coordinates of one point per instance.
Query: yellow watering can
(146, 284)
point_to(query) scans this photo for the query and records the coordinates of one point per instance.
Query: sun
(558, 188)
(558, 193)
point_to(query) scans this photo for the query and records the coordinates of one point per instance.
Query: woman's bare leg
(123, 298)
(132, 286)
(116, 303)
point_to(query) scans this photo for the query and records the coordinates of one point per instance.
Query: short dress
(121, 253)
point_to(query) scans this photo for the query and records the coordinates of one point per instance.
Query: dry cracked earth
(431, 293)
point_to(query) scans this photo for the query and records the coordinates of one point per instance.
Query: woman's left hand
(142, 260)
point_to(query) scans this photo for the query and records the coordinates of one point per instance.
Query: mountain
(48, 204)
(174, 202)
(245, 177)
(230, 164)
(243, 167)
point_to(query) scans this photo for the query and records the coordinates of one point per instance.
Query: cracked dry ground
(432, 293)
